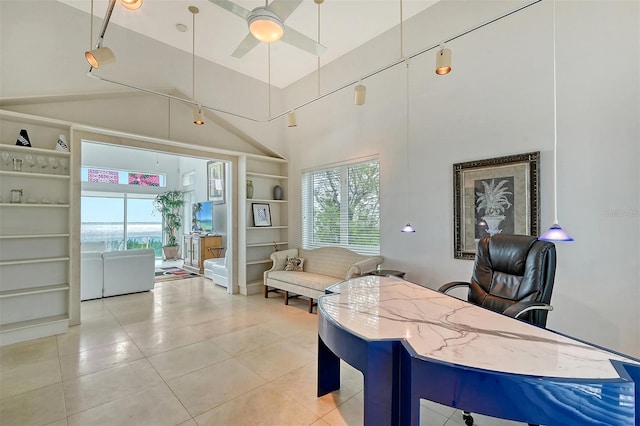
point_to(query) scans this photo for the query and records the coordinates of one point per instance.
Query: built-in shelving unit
(35, 231)
(258, 242)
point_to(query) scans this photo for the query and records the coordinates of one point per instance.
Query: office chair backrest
(512, 268)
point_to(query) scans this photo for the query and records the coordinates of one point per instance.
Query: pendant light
(198, 116)
(443, 61)
(555, 233)
(360, 94)
(131, 4)
(407, 229)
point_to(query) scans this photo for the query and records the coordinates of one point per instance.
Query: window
(341, 207)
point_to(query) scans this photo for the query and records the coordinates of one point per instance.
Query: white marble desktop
(441, 327)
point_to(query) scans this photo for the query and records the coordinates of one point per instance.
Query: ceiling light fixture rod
(344, 86)
(105, 23)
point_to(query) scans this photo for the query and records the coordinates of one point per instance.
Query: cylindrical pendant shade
(131, 4)
(198, 117)
(360, 94)
(291, 120)
(101, 56)
(443, 61)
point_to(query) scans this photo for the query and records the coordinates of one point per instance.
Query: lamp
(555, 232)
(198, 116)
(360, 94)
(291, 119)
(443, 61)
(100, 56)
(131, 4)
(265, 25)
(407, 229)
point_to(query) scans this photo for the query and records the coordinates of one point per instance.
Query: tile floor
(186, 354)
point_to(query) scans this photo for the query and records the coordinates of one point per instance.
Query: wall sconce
(443, 61)
(360, 94)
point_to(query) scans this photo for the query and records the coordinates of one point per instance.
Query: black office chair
(512, 274)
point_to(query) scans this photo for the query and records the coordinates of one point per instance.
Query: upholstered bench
(321, 268)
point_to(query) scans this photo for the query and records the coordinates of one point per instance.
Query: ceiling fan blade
(232, 7)
(284, 8)
(245, 46)
(301, 41)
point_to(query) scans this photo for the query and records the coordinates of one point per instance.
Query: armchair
(513, 275)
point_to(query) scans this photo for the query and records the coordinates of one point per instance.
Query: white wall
(497, 101)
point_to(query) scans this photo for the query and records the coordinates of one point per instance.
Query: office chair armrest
(520, 308)
(453, 284)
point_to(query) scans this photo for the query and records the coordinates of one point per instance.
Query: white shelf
(255, 228)
(33, 261)
(20, 237)
(33, 150)
(263, 175)
(33, 290)
(281, 243)
(35, 205)
(258, 261)
(265, 200)
(33, 175)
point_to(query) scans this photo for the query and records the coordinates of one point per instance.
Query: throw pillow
(294, 264)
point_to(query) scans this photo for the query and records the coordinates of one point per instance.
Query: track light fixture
(131, 4)
(443, 61)
(265, 25)
(360, 94)
(100, 56)
(198, 116)
(291, 119)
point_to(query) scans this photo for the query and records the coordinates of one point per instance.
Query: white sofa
(322, 268)
(217, 270)
(116, 272)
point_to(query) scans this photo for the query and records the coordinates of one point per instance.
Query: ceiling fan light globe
(265, 25)
(131, 4)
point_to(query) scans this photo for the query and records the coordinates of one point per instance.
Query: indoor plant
(170, 205)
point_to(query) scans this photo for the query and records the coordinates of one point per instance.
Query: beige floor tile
(320, 422)
(292, 322)
(246, 340)
(189, 422)
(277, 359)
(98, 358)
(156, 406)
(36, 407)
(178, 362)
(79, 339)
(165, 340)
(301, 385)
(438, 408)
(62, 422)
(105, 386)
(12, 356)
(29, 376)
(263, 406)
(205, 389)
(306, 340)
(429, 417)
(350, 413)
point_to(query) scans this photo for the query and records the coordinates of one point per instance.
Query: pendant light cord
(318, 3)
(269, 77)
(555, 124)
(193, 57)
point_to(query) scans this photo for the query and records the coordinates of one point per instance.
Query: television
(202, 217)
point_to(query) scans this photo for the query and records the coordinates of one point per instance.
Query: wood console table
(198, 248)
(411, 342)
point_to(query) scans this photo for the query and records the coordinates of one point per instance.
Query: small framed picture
(216, 181)
(261, 214)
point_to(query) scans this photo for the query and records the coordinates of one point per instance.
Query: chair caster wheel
(468, 420)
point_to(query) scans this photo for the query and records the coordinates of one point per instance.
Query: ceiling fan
(266, 24)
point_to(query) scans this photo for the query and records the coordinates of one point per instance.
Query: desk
(411, 342)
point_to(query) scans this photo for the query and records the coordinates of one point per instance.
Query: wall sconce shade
(131, 4)
(265, 25)
(443, 61)
(198, 116)
(360, 94)
(100, 56)
(291, 120)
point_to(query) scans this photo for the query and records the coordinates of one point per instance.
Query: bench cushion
(304, 279)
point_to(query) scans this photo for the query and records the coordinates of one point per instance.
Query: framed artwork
(497, 195)
(215, 181)
(261, 214)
